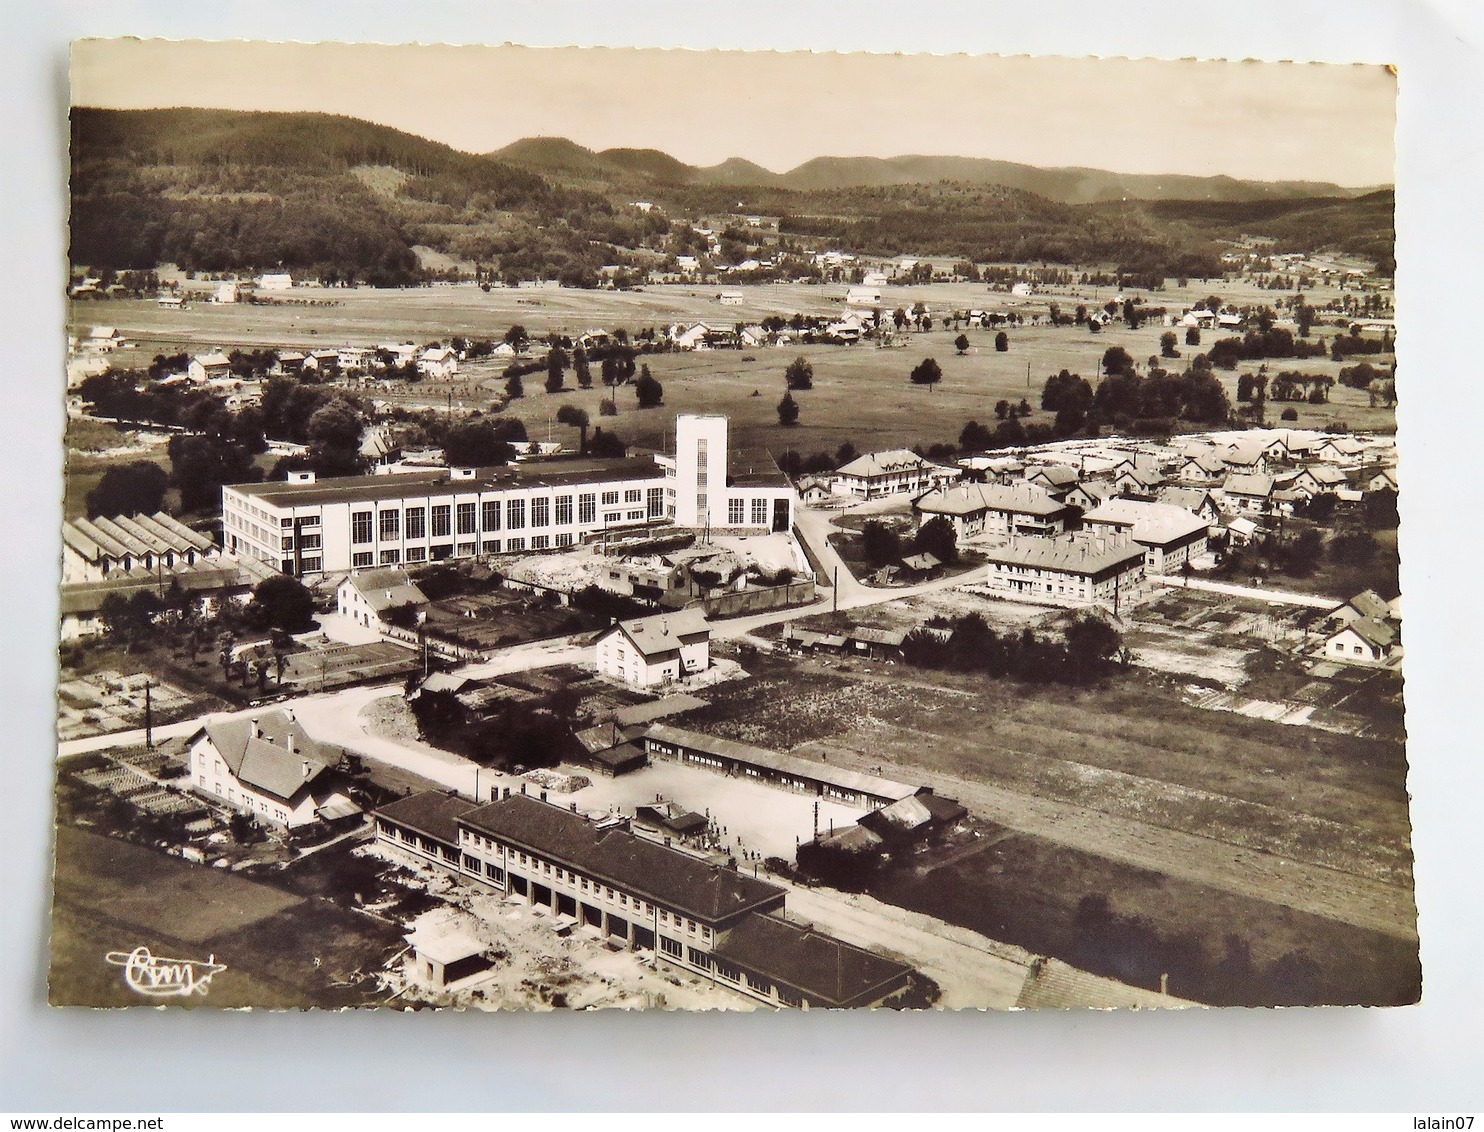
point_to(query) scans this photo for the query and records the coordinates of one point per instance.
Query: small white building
(277, 281)
(438, 363)
(1365, 640)
(660, 649)
(226, 293)
(863, 297)
(209, 367)
(269, 767)
(730, 298)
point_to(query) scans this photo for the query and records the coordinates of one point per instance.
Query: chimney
(543, 795)
(305, 768)
(257, 732)
(574, 807)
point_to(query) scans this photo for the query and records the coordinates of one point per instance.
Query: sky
(1253, 120)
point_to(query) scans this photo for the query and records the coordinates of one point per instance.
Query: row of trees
(1089, 650)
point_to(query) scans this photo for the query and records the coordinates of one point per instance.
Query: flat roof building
(308, 526)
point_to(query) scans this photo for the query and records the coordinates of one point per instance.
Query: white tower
(700, 470)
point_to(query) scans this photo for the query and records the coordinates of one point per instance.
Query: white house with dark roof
(1196, 500)
(1171, 536)
(366, 595)
(1054, 479)
(1201, 468)
(994, 509)
(268, 766)
(1365, 640)
(899, 471)
(1384, 480)
(1318, 479)
(659, 649)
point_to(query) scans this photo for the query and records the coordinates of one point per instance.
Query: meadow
(861, 393)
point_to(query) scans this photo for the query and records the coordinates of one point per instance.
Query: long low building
(1076, 569)
(94, 549)
(702, 917)
(308, 526)
(803, 776)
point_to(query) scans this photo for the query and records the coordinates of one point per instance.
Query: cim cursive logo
(158, 977)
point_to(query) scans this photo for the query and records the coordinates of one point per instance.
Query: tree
(1193, 336)
(650, 392)
(618, 369)
(129, 489)
(282, 602)
(200, 465)
(477, 444)
(1167, 345)
(927, 372)
(880, 544)
(936, 537)
(1001, 409)
(556, 368)
(607, 445)
(961, 343)
(583, 370)
(1117, 360)
(799, 374)
(516, 337)
(514, 387)
(844, 454)
(1304, 554)
(1002, 343)
(334, 436)
(788, 411)
(576, 418)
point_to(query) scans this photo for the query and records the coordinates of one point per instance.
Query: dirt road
(1242, 870)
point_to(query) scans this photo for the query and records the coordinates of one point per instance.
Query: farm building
(863, 297)
(438, 363)
(206, 367)
(276, 281)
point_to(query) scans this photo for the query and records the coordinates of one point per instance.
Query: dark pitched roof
(432, 814)
(271, 752)
(664, 876)
(661, 633)
(830, 971)
(1368, 603)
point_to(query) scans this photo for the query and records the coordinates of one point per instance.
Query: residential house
(438, 363)
(1318, 479)
(1171, 536)
(978, 508)
(1250, 492)
(379, 446)
(1367, 603)
(896, 472)
(1139, 483)
(1338, 450)
(276, 281)
(207, 367)
(1204, 468)
(730, 298)
(268, 766)
(367, 595)
(1054, 479)
(1248, 457)
(1365, 640)
(659, 649)
(863, 297)
(1196, 500)
(1086, 496)
(1384, 480)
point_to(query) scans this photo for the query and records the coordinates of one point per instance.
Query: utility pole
(835, 592)
(149, 734)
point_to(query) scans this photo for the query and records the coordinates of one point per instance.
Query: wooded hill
(339, 198)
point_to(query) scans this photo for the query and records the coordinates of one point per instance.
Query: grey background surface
(1420, 1059)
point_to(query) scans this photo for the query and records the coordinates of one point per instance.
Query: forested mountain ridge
(337, 198)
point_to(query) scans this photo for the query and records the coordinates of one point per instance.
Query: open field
(279, 950)
(1148, 793)
(860, 393)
